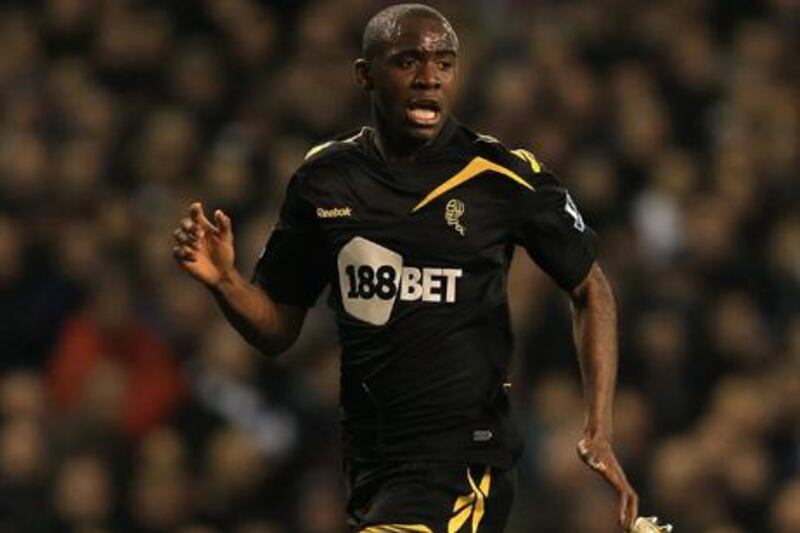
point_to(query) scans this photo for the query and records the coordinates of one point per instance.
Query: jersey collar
(433, 148)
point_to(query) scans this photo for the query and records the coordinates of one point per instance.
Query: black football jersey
(416, 255)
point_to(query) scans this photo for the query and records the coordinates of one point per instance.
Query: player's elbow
(282, 331)
(594, 289)
(275, 345)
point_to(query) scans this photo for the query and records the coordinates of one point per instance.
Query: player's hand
(203, 249)
(596, 452)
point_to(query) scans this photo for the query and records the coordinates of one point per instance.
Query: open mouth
(423, 112)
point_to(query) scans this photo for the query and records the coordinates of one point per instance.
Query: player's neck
(395, 148)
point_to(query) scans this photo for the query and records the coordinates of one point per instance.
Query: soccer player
(412, 222)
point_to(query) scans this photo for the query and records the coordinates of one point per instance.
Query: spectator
(109, 335)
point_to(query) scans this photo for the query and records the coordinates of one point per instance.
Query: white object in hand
(650, 525)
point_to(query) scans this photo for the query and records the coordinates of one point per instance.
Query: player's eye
(444, 65)
(406, 62)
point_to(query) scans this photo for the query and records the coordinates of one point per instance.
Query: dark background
(127, 404)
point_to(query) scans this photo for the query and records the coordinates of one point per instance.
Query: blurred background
(126, 402)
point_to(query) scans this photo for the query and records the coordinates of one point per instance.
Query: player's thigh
(434, 498)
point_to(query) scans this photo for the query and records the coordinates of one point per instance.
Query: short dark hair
(382, 26)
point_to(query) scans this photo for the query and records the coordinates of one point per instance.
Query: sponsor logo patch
(372, 278)
(335, 212)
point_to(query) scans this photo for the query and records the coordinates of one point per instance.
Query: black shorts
(428, 498)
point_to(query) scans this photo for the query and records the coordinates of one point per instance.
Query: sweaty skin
(438, 37)
(386, 27)
(412, 79)
(594, 319)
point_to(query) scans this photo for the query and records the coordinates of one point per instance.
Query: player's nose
(427, 76)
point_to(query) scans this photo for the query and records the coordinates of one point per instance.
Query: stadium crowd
(126, 402)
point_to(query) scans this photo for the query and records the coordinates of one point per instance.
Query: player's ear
(363, 74)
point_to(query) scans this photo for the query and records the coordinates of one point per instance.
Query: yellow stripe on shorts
(397, 528)
(472, 504)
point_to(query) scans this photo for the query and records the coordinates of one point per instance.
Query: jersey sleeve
(291, 268)
(549, 226)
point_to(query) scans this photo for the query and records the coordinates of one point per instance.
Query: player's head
(409, 66)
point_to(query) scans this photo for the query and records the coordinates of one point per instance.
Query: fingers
(600, 458)
(187, 224)
(223, 223)
(193, 229)
(199, 217)
(613, 474)
(628, 499)
(588, 456)
(629, 508)
(189, 233)
(187, 237)
(183, 254)
(596, 457)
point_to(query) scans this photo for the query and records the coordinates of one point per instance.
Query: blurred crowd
(126, 402)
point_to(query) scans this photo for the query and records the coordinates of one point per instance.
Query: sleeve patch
(572, 210)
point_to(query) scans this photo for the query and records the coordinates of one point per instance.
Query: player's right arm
(205, 250)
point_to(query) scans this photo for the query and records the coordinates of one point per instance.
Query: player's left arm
(594, 317)
(549, 225)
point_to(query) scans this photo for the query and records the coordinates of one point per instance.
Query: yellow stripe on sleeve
(529, 158)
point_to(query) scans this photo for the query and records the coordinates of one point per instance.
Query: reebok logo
(336, 212)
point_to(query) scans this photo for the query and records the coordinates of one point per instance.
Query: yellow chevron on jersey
(474, 168)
